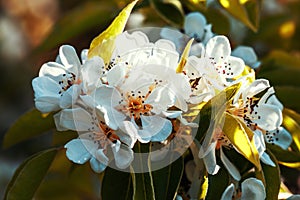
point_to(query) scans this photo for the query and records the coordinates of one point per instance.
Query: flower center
(272, 136)
(135, 105)
(222, 139)
(108, 132)
(247, 111)
(102, 134)
(67, 81)
(223, 66)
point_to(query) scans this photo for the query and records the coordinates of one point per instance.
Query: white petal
(186, 123)
(126, 42)
(84, 55)
(203, 92)
(270, 98)
(280, 137)
(265, 158)
(209, 158)
(218, 47)
(165, 44)
(47, 104)
(178, 197)
(197, 50)
(256, 87)
(180, 86)
(261, 147)
(97, 166)
(233, 171)
(253, 189)
(106, 96)
(247, 54)
(172, 114)
(69, 58)
(46, 93)
(101, 157)
(123, 155)
(228, 193)
(160, 99)
(112, 117)
(157, 127)
(274, 101)
(57, 122)
(116, 75)
(91, 72)
(259, 141)
(129, 133)
(170, 33)
(270, 116)
(87, 100)
(237, 66)
(70, 96)
(208, 33)
(194, 25)
(77, 152)
(76, 119)
(45, 86)
(52, 69)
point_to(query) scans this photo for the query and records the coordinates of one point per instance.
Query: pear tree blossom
(195, 26)
(95, 137)
(165, 107)
(218, 142)
(251, 188)
(263, 113)
(60, 83)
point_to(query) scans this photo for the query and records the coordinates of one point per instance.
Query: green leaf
(62, 137)
(215, 105)
(284, 155)
(170, 10)
(290, 77)
(103, 44)
(67, 180)
(241, 163)
(142, 182)
(272, 178)
(116, 185)
(27, 126)
(194, 5)
(241, 137)
(217, 184)
(288, 95)
(279, 60)
(220, 21)
(29, 175)
(245, 11)
(77, 21)
(166, 180)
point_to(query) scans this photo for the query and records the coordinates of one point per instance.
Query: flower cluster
(143, 92)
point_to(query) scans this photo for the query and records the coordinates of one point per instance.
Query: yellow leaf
(291, 165)
(291, 121)
(104, 43)
(238, 9)
(241, 137)
(184, 56)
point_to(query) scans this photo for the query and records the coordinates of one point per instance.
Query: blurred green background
(31, 32)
